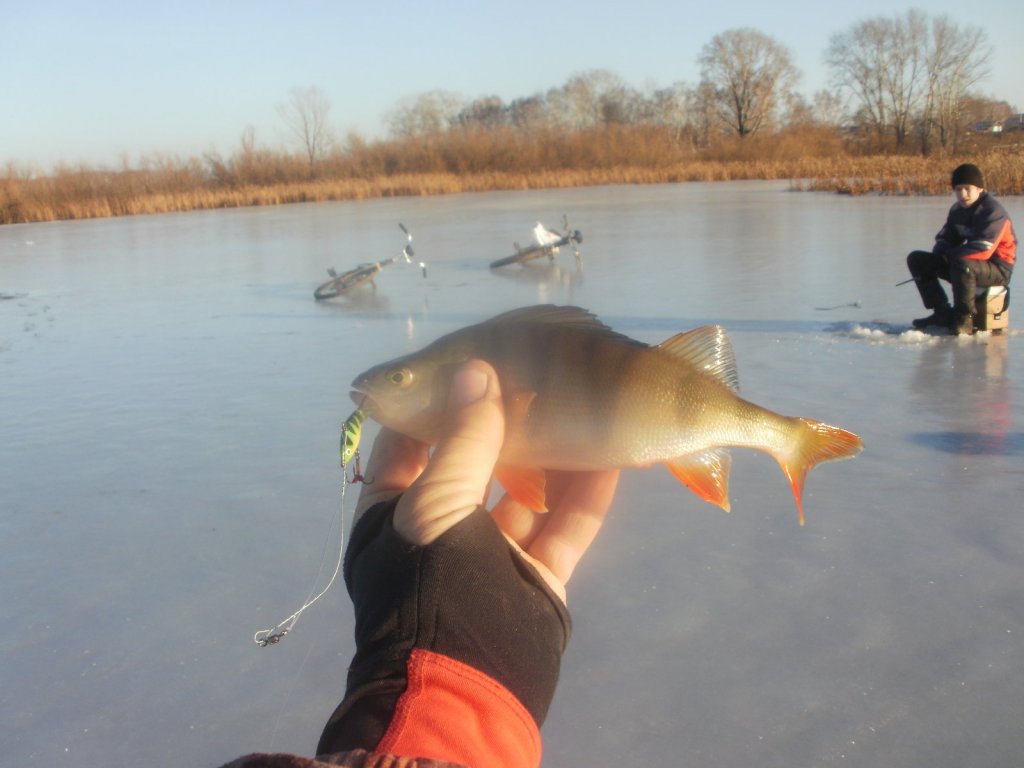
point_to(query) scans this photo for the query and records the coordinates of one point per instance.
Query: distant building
(1015, 123)
(987, 126)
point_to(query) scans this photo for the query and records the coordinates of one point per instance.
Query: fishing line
(350, 433)
(275, 634)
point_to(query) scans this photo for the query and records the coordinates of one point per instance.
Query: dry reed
(477, 161)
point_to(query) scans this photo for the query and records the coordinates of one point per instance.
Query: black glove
(467, 597)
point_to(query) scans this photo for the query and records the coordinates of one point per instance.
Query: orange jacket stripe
(451, 711)
(1003, 246)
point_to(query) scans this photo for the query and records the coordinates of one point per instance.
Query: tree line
(902, 85)
(897, 83)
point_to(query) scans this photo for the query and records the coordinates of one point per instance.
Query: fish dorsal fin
(708, 349)
(575, 318)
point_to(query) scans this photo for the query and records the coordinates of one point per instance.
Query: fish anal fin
(524, 484)
(707, 349)
(706, 474)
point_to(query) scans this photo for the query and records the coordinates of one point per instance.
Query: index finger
(395, 461)
(574, 520)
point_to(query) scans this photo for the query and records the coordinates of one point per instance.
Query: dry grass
(477, 161)
(911, 175)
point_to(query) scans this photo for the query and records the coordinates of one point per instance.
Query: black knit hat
(967, 174)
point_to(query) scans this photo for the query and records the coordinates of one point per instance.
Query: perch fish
(580, 396)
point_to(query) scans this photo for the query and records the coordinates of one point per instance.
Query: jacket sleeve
(947, 237)
(458, 646)
(989, 228)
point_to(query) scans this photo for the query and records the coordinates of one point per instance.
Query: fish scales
(598, 393)
(579, 395)
(583, 395)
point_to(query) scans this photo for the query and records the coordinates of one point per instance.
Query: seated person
(975, 249)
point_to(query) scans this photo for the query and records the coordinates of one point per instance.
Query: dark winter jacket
(359, 758)
(982, 231)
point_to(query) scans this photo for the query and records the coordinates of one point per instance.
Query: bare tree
(750, 74)
(828, 108)
(589, 99)
(305, 114)
(904, 76)
(671, 107)
(488, 112)
(974, 107)
(703, 113)
(797, 112)
(956, 59)
(428, 114)
(528, 112)
(858, 60)
(907, 74)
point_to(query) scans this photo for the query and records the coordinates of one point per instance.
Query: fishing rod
(854, 304)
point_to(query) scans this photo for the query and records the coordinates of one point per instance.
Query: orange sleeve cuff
(451, 711)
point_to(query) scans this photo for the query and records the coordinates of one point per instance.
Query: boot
(962, 324)
(942, 316)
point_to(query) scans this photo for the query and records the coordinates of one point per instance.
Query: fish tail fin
(816, 442)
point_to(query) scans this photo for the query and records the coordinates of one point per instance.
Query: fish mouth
(362, 400)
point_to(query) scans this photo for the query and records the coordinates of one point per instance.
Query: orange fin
(817, 443)
(523, 484)
(706, 474)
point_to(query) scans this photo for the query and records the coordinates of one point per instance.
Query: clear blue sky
(97, 81)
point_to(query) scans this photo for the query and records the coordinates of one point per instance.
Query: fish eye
(400, 377)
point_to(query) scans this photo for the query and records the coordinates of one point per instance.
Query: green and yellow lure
(351, 431)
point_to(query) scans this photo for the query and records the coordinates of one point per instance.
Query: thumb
(455, 480)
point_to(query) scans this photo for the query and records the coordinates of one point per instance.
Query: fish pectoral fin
(517, 408)
(706, 474)
(523, 484)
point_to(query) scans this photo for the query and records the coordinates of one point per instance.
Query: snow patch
(879, 332)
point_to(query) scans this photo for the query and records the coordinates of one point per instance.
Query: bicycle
(547, 243)
(353, 278)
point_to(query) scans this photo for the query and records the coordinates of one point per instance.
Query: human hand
(441, 490)
(437, 585)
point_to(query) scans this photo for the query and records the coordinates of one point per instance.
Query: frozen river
(170, 403)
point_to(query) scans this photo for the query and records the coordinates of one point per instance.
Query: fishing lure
(351, 432)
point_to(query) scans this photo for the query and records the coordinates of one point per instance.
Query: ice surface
(168, 473)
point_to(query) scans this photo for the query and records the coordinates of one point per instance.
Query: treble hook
(357, 472)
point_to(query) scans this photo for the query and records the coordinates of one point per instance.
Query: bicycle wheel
(346, 281)
(328, 290)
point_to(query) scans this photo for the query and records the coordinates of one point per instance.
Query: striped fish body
(579, 396)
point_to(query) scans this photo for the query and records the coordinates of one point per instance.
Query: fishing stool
(992, 308)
